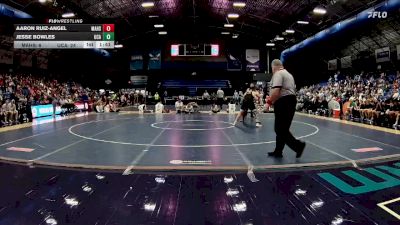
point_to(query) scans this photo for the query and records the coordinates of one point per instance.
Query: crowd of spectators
(366, 97)
(19, 92)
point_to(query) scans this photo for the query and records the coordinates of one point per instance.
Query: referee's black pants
(284, 109)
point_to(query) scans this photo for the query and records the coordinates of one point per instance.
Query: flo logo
(377, 14)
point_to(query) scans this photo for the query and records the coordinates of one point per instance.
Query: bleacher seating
(195, 87)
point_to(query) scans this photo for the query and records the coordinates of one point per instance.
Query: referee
(283, 97)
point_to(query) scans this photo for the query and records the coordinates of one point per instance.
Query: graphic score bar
(64, 36)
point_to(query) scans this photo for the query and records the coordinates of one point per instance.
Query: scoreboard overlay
(64, 36)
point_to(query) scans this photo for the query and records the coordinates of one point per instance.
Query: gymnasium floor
(196, 169)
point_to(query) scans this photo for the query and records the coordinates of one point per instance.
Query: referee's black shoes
(299, 151)
(275, 154)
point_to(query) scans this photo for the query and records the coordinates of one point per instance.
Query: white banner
(6, 57)
(398, 52)
(345, 62)
(332, 64)
(382, 54)
(252, 60)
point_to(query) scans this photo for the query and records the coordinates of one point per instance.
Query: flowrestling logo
(377, 14)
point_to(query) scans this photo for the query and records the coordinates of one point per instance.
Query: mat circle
(70, 130)
(156, 125)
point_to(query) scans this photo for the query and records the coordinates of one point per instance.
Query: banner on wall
(6, 57)
(136, 61)
(252, 60)
(382, 54)
(139, 80)
(234, 62)
(44, 110)
(26, 60)
(398, 52)
(155, 59)
(332, 64)
(42, 62)
(345, 62)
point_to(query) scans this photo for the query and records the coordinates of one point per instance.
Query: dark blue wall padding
(9, 11)
(342, 26)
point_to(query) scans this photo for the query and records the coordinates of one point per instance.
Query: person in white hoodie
(159, 108)
(179, 106)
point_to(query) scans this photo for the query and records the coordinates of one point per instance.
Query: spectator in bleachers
(107, 106)
(123, 100)
(99, 106)
(365, 97)
(3, 118)
(12, 112)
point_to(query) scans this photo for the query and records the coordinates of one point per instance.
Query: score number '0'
(108, 27)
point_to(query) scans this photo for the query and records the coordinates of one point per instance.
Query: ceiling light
(233, 15)
(228, 180)
(160, 180)
(337, 220)
(239, 4)
(302, 22)
(240, 207)
(162, 32)
(279, 38)
(319, 11)
(149, 206)
(300, 192)
(158, 25)
(147, 4)
(225, 33)
(50, 221)
(100, 176)
(289, 31)
(228, 25)
(235, 36)
(270, 44)
(317, 204)
(42, 1)
(68, 15)
(153, 16)
(118, 46)
(232, 192)
(87, 188)
(71, 201)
